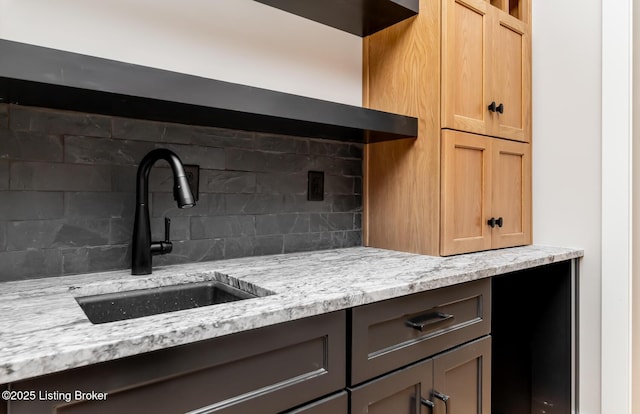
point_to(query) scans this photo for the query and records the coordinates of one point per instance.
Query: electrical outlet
(315, 186)
(193, 177)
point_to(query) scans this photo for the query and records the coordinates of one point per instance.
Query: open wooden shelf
(39, 76)
(359, 17)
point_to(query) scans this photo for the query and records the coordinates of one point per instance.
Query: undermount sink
(111, 307)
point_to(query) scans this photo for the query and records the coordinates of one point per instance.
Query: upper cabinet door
(465, 45)
(486, 68)
(511, 78)
(511, 193)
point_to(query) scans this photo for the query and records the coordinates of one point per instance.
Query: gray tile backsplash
(67, 192)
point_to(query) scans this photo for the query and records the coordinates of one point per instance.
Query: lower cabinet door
(405, 391)
(265, 371)
(334, 404)
(462, 379)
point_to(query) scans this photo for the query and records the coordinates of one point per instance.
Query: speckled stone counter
(43, 330)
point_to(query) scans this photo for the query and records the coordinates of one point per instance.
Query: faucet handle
(167, 229)
(163, 247)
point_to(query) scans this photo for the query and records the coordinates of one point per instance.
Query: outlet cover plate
(315, 186)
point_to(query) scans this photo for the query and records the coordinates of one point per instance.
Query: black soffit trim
(39, 76)
(358, 17)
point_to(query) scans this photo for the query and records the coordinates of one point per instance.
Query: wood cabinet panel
(511, 78)
(482, 179)
(466, 196)
(487, 58)
(464, 47)
(511, 193)
(402, 74)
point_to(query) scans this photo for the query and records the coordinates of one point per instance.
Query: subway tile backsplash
(67, 192)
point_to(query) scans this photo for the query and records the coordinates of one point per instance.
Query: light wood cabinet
(486, 193)
(446, 66)
(486, 70)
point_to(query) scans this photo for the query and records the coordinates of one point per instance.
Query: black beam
(359, 17)
(38, 76)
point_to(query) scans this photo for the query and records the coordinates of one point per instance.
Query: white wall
(239, 41)
(617, 126)
(567, 158)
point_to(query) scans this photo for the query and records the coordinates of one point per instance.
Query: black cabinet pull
(444, 398)
(493, 108)
(427, 403)
(426, 320)
(495, 222)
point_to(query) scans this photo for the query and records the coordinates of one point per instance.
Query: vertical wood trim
(366, 206)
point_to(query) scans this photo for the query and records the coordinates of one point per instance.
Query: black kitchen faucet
(142, 246)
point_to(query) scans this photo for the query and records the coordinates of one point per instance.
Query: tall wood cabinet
(463, 67)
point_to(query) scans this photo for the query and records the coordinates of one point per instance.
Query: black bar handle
(428, 403)
(427, 320)
(444, 398)
(500, 108)
(492, 106)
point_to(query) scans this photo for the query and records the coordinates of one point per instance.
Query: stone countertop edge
(43, 330)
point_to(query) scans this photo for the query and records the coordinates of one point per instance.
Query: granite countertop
(43, 330)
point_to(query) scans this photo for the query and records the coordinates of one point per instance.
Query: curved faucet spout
(181, 189)
(142, 246)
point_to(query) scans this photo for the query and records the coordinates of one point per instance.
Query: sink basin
(111, 307)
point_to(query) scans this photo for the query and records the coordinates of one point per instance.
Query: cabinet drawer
(394, 333)
(267, 370)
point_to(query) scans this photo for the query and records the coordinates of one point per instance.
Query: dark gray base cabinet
(267, 370)
(455, 382)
